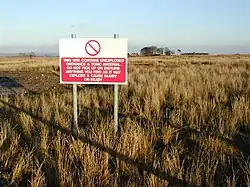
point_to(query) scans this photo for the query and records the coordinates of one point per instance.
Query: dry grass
(25, 63)
(183, 120)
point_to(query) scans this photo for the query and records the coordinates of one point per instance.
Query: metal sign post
(93, 61)
(75, 124)
(116, 89)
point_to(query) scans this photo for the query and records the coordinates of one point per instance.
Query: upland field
(184, 121)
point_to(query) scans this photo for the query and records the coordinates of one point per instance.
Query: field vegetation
(184, 121)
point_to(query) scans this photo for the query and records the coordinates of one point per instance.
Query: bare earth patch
(17, 82)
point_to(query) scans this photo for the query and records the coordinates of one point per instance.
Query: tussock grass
(183, 120)
(22, 63)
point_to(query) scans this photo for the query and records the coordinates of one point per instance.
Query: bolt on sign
(93, 61)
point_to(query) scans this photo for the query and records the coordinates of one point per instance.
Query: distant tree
(32, 54)
(160, 51)
(153, 49)
(167, 51)
(146, 51)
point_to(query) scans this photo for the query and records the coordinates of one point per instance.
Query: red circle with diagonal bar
(92, 47)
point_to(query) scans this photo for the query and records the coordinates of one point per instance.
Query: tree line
(31, 54)
(155, 51)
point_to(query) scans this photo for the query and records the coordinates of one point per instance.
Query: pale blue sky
(221, 26)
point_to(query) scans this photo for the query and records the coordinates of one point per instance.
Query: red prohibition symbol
(92, 47)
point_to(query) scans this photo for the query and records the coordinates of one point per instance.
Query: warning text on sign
(93, 70)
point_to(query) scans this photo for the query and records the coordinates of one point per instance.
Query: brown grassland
(184, 121)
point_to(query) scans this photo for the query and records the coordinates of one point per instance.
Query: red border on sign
(80, 77)
(97, 51)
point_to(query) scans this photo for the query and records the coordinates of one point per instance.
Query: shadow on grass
(28, 143)
(9, 82)
(10, 86)
(142, 166)
(240, 141)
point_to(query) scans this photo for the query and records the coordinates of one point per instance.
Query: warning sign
(93, 61)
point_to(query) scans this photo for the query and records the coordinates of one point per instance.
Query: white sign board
(93, 60)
